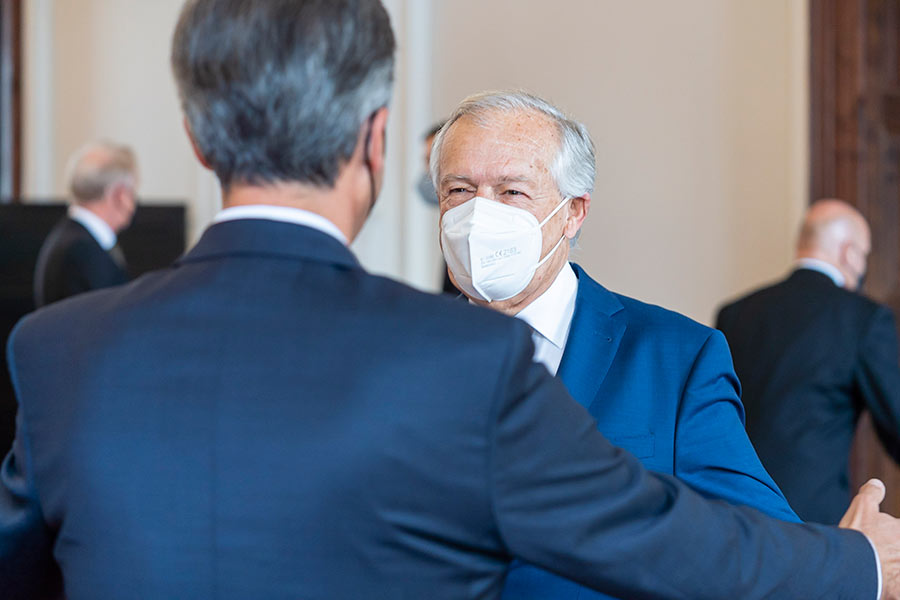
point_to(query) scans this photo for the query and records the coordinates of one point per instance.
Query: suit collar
(284, 214)
(805, 275)
(261, 237)
(97, 227)
(823, 267)
(594, 338)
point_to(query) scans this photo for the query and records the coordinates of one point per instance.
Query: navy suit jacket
(663, 387)
(72, 262)
(812, 356)
(267, 420)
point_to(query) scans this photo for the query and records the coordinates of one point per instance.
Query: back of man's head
(276, 90)
(97, 167)
(835, 232)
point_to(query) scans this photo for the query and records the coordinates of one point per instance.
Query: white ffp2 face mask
(493, 249)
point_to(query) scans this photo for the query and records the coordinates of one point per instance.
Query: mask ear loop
(542, 223)
(553, 212)
(549, 254)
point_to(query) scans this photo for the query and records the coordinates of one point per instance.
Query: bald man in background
(80, 253)
(812, 354)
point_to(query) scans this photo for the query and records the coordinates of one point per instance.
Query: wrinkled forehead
(502, 137)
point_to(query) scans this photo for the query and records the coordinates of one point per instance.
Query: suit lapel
(594, 338)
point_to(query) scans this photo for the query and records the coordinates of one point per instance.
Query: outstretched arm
(568, 501)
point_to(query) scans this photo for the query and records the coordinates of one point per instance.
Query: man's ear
(121, 194)
(197, 153)
(578, 211)
(377, 140)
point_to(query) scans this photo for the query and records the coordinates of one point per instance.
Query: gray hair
(573, 169)
(97, 166)
(277, 90)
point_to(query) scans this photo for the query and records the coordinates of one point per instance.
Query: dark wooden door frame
(10, 100)
(855, 156)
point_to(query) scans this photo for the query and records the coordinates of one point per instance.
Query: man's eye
(457, 190)
(513, 193)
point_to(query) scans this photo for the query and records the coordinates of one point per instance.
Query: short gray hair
(97, 166)
(574, 167)
(277, 90)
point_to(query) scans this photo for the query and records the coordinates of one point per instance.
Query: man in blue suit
(267, 420)
(658, 384)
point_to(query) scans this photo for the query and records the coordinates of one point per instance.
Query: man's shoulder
(760, 293)
(829, 297)
(425, 310)
(759, 298)
(652, 321)
(858, 301)
(70, 240)
(656, 320)
(90, 310)
(406, 312)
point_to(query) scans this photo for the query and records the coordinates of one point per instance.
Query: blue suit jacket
(663, 387)
(267, 420)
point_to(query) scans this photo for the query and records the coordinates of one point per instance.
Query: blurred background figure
(426, 190)
(81, 254)
(812, 353)
(424, 185)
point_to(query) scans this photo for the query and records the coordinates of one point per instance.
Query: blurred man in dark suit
(812, 354)
(266, 419)
(81, 254)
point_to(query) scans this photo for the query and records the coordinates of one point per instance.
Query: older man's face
(507, 161)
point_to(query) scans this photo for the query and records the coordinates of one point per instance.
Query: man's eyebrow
(504, 179)
(454, 177)
(515, 179)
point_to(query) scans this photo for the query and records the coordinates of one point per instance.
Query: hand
(882, 530)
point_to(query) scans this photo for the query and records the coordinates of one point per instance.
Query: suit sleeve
(88, 268)
(712, 451)
(566, 500)
(878, 378)
(27, 568)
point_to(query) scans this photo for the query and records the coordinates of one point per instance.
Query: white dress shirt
(550, 316)
(814, 264)
(283, 214)
(97, 227)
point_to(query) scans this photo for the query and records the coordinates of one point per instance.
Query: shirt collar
(284, 214)
(97, 227)
(550, 314)
(814, 264)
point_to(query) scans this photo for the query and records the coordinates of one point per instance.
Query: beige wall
(110, 77)
(698, 111)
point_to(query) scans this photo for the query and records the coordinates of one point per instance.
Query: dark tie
(118, 256)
